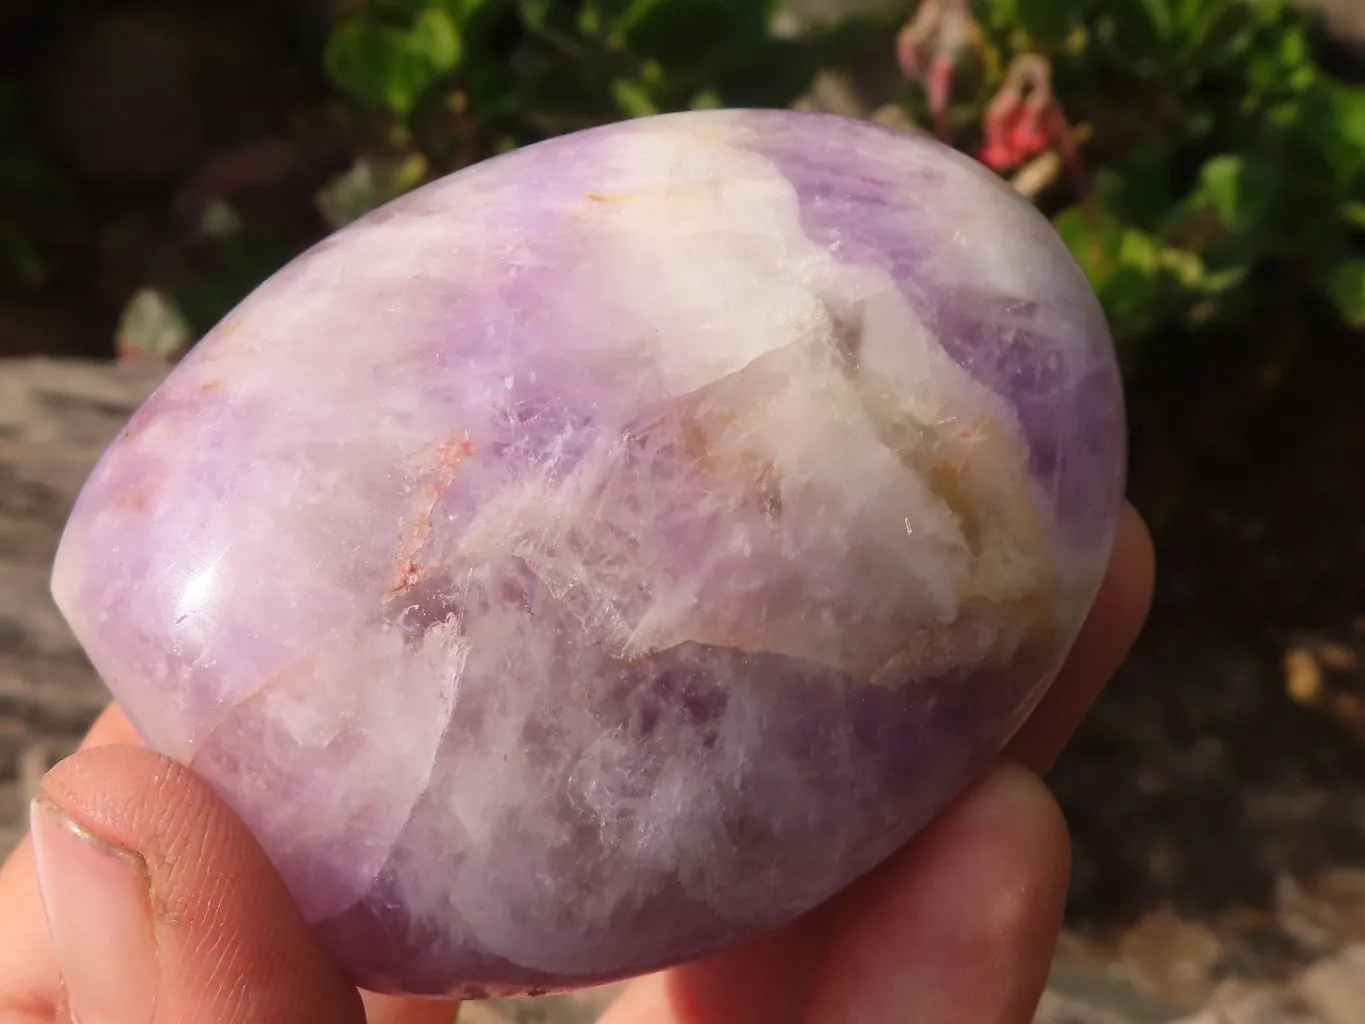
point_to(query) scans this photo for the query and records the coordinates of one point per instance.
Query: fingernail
(99, 912)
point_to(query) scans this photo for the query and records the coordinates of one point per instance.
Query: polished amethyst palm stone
(612, 550)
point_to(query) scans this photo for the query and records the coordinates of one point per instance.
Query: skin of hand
(140, 898)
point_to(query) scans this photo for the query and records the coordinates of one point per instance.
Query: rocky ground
(54, 420)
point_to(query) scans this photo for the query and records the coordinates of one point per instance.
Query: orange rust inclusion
(431, 471)
(137, 498)
(979, 470)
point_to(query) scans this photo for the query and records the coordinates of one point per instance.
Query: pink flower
(1024, 118)
(939, 87)
(931, 46)
(1014, 136)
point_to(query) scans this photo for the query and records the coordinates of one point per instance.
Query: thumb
(162, 907)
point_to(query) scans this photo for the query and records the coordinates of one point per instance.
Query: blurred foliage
(463, 79)
(28, 189)
(1202, 165)
(1227, 166)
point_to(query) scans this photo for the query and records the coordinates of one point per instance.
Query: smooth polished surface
(615, 548)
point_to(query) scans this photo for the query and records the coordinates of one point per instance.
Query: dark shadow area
(1229, 755)
(121, 123)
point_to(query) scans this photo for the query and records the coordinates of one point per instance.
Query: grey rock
(1345, 20)
(1081, 991)
(56, 417)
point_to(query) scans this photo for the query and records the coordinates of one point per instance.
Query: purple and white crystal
(612, 550)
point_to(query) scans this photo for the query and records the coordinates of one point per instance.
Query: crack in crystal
(431, 472)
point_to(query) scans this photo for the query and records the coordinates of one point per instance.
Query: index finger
(29, 980)
(1115, 620)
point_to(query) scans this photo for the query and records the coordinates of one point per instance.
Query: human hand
(162, 909)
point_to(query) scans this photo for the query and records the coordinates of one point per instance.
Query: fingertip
(385, 1009)
(230, 944)
(1007, 818)
(961, 925)
(1124, 597)
(1131, 578)
(95, 899)
(1114, 622)
(765, 981)
(29, 979)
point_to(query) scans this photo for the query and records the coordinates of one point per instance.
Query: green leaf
(1138, 189)
(1218, 282)
(1244, 192)
(1275, 64)
(1079, 231)
(1184, 267)
(652, 74)
(373, 64)
(152, 326)
(352, 64)
(999, 13)
(220, 222)
(1174, 39)
(1129, 298)
(1221, 182)
(389, 67)
(635, 11)
(1131, 271)
(590, 21)
(1160, 17)
(365, 187)
(435, 38)
(1350, 111)
(1344, 285)
(632, 98)
(1331, 128)
(463, 10)
(1198, 23)
(1141, 251)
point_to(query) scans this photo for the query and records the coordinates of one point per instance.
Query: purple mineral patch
(611, 551)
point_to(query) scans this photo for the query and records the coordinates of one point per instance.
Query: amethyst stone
(612, 550)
